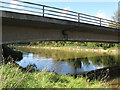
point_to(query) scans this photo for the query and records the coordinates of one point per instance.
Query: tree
(116, 18)
(116, 15)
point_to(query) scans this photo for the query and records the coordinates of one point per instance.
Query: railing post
(117, 25)
(78, 17)
(43, 10)
(100, 21)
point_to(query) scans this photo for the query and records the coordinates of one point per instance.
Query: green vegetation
(71, 44)
(13, 77)
(59, 53)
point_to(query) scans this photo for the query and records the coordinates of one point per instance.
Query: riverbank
(10, 54)
(111, 51)
(13, 77)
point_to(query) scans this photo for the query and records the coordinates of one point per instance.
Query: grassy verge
(13, 77)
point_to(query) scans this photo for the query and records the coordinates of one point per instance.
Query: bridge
(27, 21)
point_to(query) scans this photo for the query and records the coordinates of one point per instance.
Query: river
(67, 62)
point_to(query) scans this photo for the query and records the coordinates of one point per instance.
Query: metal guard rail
(48, 11)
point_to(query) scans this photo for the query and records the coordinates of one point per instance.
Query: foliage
(116, 19)
(13, 77)
(70, 43)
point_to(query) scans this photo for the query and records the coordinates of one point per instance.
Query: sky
(100, 8)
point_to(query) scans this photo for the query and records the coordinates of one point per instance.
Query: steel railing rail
(21, 9)
(49, 11)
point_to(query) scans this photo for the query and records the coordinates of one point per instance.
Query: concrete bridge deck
(19, 26)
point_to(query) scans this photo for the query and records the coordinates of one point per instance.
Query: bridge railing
(48, 11)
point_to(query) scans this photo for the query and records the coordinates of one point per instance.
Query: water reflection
(70, 66)
(107, 60)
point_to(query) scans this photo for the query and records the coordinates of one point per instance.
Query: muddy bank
(104, 74)
(10, 55)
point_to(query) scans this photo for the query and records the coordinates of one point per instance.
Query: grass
(74, 49)
(13, 77)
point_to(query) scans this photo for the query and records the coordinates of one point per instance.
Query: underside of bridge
(18, 27)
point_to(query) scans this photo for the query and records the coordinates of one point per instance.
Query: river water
(63, 62)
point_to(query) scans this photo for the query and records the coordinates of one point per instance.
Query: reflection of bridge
(28, 21)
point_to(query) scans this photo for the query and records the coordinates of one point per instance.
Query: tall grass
(13, 77)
